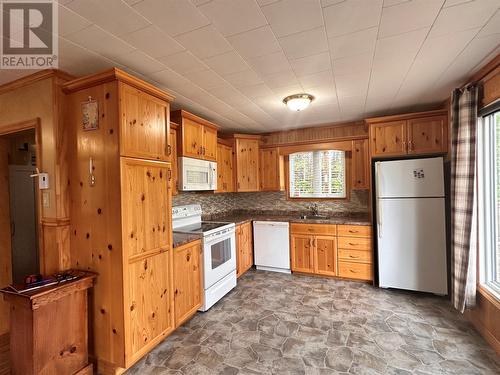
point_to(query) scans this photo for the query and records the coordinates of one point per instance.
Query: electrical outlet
(46, 199)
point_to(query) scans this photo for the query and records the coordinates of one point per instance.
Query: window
(489, 201)
(317, 174)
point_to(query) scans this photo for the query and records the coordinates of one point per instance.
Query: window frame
(347, 173)
(486, 194)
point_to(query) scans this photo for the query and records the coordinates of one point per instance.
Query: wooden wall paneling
(5, 234)
(96, 242)
(187, 281)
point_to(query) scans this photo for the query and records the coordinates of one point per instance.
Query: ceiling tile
(326, 3)
(205, 42)
(255, 43)
(255, 91)
(100, 41)
(354, 43)
(292, 16)
(206, 79)
(492, 27)
(465, 16)
(390, 3)
(317, 79)
(408, 16)
(305, 43)
(124, 19)
(200, 2)
(70, 22)
(227, 63)
(360, 64)
(153, 41)
(245, 78)
(230, 95)
(283, 78)
(269, 64)
(175, 17)
(401, 45)
(173, 81)
(311, 64)
(233, 16)
(352, 85)
(77, 60)
(324, 95)
(140, 62)
(183, 62)
(288, 90)
(266, 2)
(351, 16)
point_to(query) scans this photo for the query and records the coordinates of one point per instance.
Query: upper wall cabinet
(411, 134)
(360, 164)
(272, 173)
(174, 130)
(246, 161)
(198, 137)
(225, 171)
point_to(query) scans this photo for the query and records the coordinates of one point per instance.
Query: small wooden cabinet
(411, 134)
(360, 164)
(244, 248)
(314, 248)
(198, 137)
(175, 167)
(246, 161)
(225, 171)
(355, 252)
(187, 281)
(271, 168)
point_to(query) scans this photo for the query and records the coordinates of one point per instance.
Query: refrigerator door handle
(378, 175)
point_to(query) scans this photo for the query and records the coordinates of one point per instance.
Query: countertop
(180, 239)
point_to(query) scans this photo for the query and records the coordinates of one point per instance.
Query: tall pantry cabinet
(120, 183)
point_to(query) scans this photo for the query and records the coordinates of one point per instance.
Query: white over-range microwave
(197, 175)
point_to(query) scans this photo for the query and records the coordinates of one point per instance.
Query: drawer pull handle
(353, 231)
(353, 256)
(352, 271)
(353, 244)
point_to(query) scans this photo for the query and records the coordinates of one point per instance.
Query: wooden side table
(49, 328)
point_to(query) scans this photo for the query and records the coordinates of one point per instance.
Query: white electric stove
(219, 251)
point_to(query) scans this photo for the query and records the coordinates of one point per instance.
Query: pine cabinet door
(428, 135)
(388, 139)
(225, 181)
(146, 217)
(325, 251)
(173, 158)
(360, 164)
(209, 143)
(248, 244)
(187, 281)
(143, 131)
(148, 304)
(302, 253)
(270, 167)
(247, 165)
(192, 139)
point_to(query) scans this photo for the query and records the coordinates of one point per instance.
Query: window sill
(490, 294)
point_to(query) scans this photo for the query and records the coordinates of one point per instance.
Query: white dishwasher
(271, 246)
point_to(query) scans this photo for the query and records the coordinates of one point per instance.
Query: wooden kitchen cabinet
(175, 167)
(272, 171)
(246, 161)
(144, 125)
(302, 256)
(410, 134)
(120, 206)
(225, 171)
(244, 248)
(187, 281)
(361, 164)
(355, 251)
(325, 255)
(198, 137)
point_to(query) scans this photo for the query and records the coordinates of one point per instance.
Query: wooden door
(209, 143)
(187, 281)
(192, 139)
(145, 200)
(5, 235)
(173, 158)
(428, 135)
(302, 253)
(360, 164)
(148, 308)
(225, 178)
(325, 251)
(271, 170)
(247, 165)
(388, 139)
(144, 125)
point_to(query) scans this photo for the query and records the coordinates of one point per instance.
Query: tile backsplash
(217, 204)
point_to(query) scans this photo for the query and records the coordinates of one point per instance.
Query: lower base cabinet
(187, 281)
(244, 248)
(332, 250)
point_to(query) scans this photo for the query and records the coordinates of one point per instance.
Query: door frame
(31, 124)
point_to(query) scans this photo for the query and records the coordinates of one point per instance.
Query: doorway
(18, 199)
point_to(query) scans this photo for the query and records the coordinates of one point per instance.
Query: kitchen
(213, 200)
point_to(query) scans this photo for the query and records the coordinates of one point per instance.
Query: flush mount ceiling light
(298, 102)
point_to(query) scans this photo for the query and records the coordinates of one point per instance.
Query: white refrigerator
(411, 225)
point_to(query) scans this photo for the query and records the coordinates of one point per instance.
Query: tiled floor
(287, 324)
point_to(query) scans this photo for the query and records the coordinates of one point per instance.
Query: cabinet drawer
(360, 271)
(354, 243)
(329, 229)
(355, 255)
(354, 230)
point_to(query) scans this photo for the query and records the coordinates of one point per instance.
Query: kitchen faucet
(314, 209)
